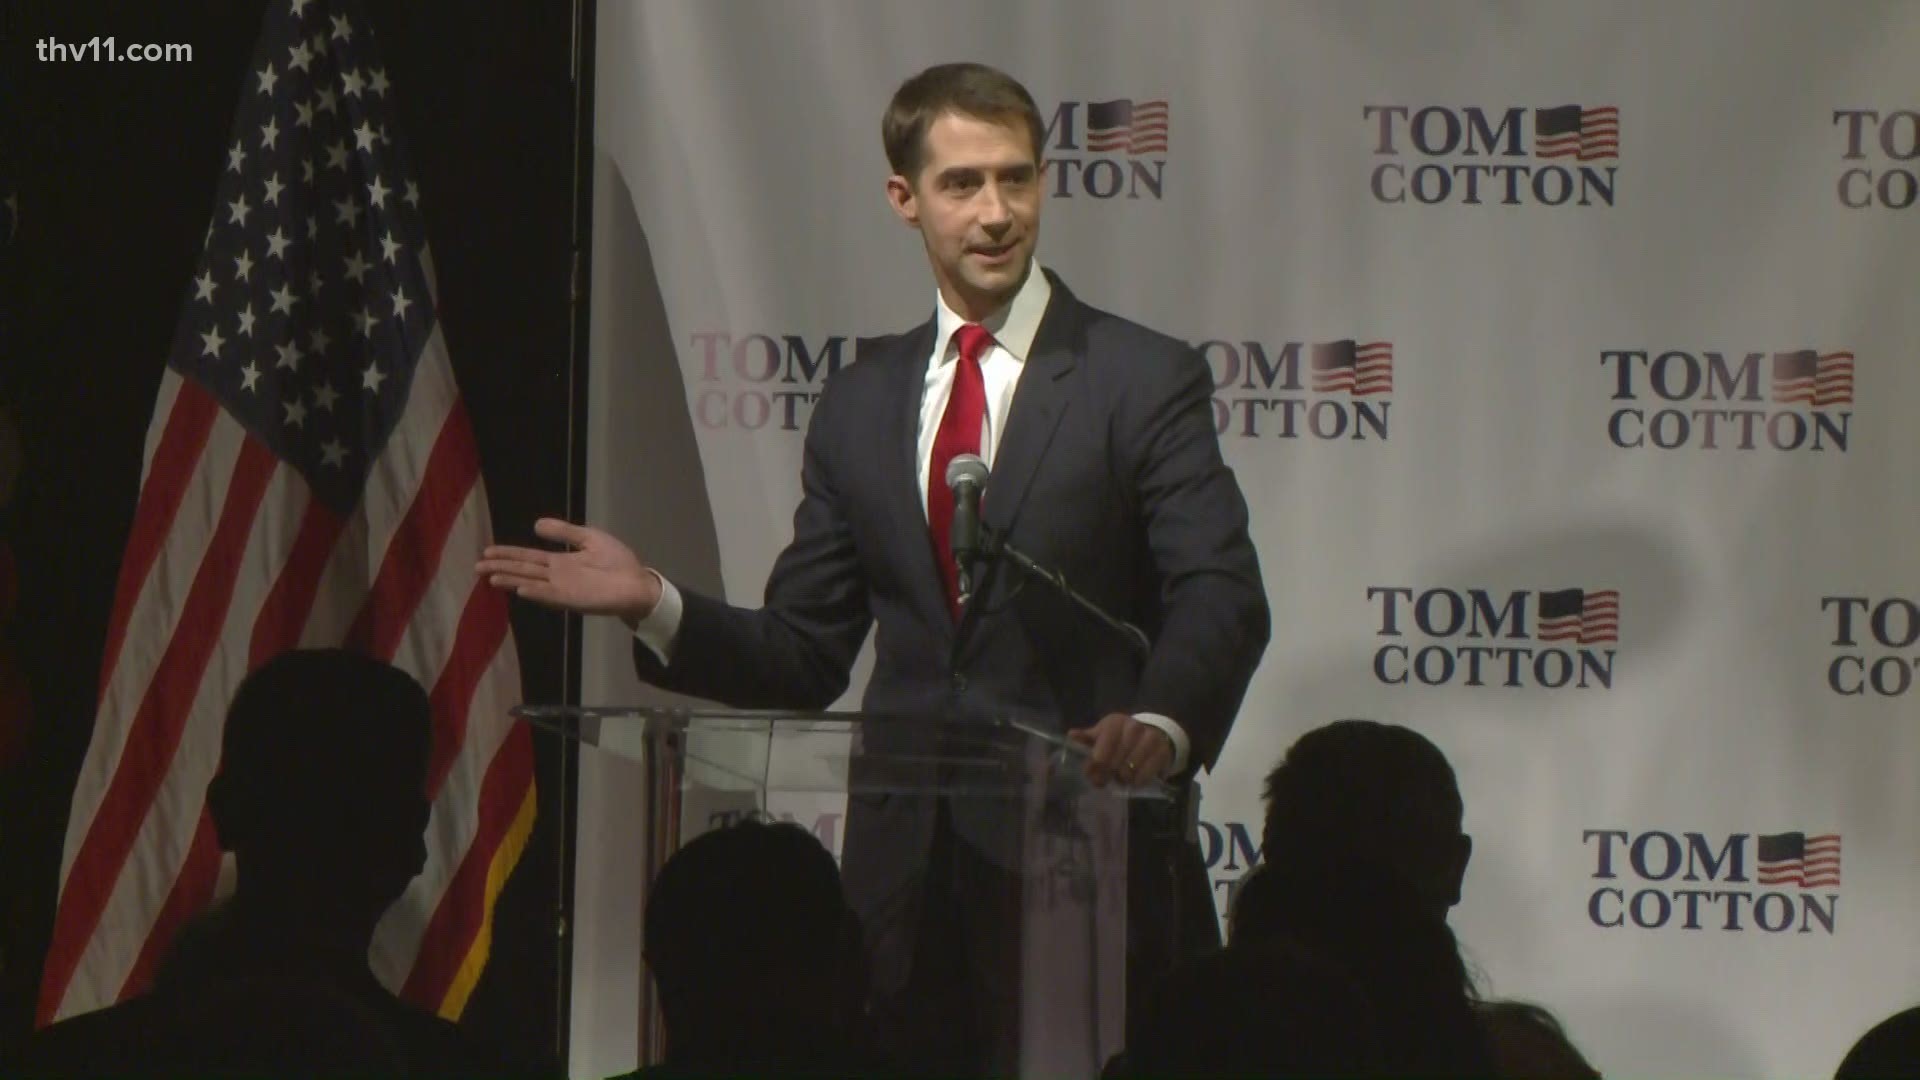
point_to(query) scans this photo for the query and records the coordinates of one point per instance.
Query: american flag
(1360, 370)
(310, 479)
(1794, 858)
(1124, 124)
(1586, 616)
(1569, 131)
(1813, 378)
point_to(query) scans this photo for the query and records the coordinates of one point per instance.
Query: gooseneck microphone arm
(995, 546)
(971, 540)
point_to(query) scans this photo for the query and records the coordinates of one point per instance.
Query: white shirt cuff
(662, 624)
(1175, 733)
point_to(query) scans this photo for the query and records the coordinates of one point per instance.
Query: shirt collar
(1013, 327)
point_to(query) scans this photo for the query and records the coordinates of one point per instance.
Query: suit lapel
(1039, 401)
(900, 470)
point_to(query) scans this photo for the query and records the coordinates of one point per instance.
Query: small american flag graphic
(1362, 370)
(1570, 131)
(1586, 616)
(1124, 125)
(1794, 858)
(1808, 377)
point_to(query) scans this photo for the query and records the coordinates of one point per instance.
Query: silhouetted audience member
(1266, 1008)
(757, 957)
(1529, 1044)
(1376, 790)
(1889, 1049)
(321, 798)
(1362, 856)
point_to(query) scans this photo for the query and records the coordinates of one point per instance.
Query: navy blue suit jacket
(1109, 470)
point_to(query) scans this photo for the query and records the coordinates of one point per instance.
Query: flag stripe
(455, 644)
(462, 913)
(499, 868)
(174, 457)
(433, 642)
(454, 823)
(155, 604)
(483, 630)
(402, 465)
(169, 392)
(414, 554)
(191, 893)
(284, 615)
(156, 728)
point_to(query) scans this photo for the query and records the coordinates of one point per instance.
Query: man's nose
(995, 214)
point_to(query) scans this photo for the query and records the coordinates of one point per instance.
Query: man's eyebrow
(961, 171)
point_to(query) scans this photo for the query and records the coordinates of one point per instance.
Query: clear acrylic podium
(1015, 789)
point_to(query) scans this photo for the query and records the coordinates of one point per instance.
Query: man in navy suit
(1105, 465)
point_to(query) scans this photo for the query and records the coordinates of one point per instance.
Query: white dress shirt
(1013, 328)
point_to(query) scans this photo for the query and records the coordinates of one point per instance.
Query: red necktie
(959, 434)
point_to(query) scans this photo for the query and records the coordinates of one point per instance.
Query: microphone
(967, 479)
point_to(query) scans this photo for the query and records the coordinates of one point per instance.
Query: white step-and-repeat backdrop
(1567, 354)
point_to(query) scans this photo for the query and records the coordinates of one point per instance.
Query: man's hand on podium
(596, 575)
(1124, 749)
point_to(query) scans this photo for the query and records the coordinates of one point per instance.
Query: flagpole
(580, 248)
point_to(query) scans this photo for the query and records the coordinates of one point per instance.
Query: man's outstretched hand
(596, 575)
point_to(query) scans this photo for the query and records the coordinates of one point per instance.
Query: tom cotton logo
(757, 381)
(1716, 400)
(1473, 155)
(1659, 880)
(1340, 393)
(1564, 644)
(1881, 148)
(1107, 149)
(1884, 663)
(1230, 854)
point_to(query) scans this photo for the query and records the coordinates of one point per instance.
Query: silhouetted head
(1891, 1048)
(755, 950)
(1357, 790)
(321, 790)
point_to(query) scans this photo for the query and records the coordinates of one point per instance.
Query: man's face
(976, 202)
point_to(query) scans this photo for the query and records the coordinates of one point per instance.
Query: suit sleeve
(796, 650)
(1214, 619)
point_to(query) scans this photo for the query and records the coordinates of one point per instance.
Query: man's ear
(904, 200)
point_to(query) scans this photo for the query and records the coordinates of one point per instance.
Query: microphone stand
(993, 544)
(1163, 820)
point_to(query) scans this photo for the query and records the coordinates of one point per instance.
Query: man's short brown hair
(974, 90)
